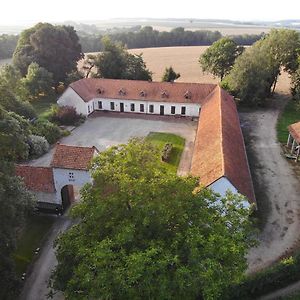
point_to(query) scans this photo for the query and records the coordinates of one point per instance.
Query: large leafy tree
(143, 232)
(170, 75)
(116, 63)
(254, 75)
(55, 48)
(37, 83)
(219, 58)
(15, 201)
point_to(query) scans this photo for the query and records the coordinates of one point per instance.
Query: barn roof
(180, 92)
(38, 179)
(294, 130)
(72, 157)
(219, 146)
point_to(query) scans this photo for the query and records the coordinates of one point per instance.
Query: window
(112, 105)
(71, 176)
(89, 110)
(132, 107)
(183, 110)
(151, 108)
(142, 109)
(173, 110)
(100, 104)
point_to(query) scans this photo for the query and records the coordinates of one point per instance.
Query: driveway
(36, 285)
(107, 129)
(276, 185)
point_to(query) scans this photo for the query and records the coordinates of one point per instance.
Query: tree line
(138, 37)
(251, 74)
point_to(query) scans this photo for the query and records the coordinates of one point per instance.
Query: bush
(38, 146)
(166, 152)
(65, 115)
(24, 109)
(262, 283)
(50, 131)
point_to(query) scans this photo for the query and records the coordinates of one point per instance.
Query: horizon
(31, 11)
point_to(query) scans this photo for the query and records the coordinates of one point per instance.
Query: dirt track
(277, 187)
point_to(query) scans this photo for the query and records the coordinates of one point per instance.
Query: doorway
(67, 196)
(121, 107)
(162, 110)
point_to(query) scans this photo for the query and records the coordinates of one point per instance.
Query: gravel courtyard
(107, 129)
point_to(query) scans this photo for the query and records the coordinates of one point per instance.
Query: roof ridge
(222, 129)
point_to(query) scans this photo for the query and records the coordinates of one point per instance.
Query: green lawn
(160, 139)
(288, 116)
(35, 230)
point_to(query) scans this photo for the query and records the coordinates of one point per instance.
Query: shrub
(50, 131)
(279, 276)
(38, 146)
(166, 152)
(24, 109)
(65, 115)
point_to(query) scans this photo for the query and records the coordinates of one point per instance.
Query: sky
(20, 12)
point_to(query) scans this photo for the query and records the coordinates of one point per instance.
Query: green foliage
(279, 276)
(170, 75)
(55, 48)
(65, 115)
(8, 44)
(115, 62)
(38, 83)
(44, 128)
(144, 232)
(289, 116)
(219, 58)
(38, 146)
(255, 72)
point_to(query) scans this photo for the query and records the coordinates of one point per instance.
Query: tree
(15, 200)
(38, 83)
(144, 232)
(55, 48)
(115, 62)
(170, 75)
(255, 72)
(219, 58)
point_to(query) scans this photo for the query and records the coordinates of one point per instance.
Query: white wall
(192, 109)
(62, 178)
(222, 185)
(71, 98)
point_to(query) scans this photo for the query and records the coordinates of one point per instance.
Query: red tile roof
(294, 130)
(180, 92)
(72, 157)
(219, 146)
(38, 179)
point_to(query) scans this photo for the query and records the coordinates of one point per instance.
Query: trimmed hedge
(279, 276)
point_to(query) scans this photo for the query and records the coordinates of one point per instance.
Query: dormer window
(143, 93)
(164, 94)
(100, 91)
(187, 95)
(122, 92)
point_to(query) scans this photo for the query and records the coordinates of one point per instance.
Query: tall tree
(170, 75)
(219, 58)
(15, 201)
(144, 232)
(254, 75)
(115, 62)
(37, 83)
(55, 48)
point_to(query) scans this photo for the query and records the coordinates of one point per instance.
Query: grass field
(289, 115)
(160, 139)
(31, 238)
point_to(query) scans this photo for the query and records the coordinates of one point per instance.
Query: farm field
(185, 61)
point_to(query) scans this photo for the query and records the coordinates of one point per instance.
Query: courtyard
(106, 129)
